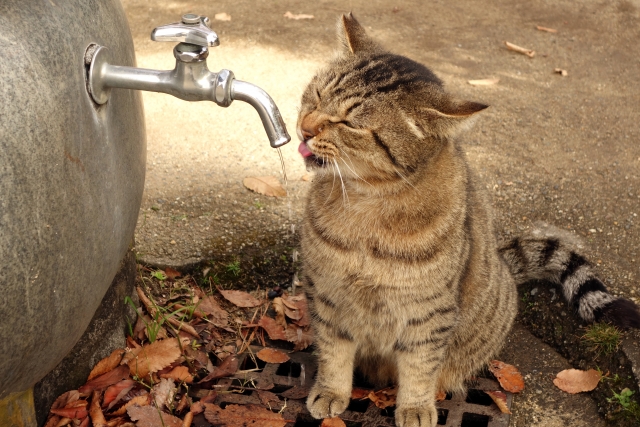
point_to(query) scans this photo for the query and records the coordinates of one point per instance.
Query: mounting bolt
(190, 18)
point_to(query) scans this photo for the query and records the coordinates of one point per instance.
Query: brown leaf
(267, 185)
(278, 306)
(66, 398)
(107, 364)
(171, 273)
(105, 380)
(359, 393)
(298, 309)
(270, 355)
(275, 331)
(77, 412)
(440, 396)
(116, 392)
(197, 408)
(228, 367)
(154, 357)
(500, 400)
(242, 415)
(507, 375)
(301, 337)
(138, 400)
(266, 397)
(576, 381)
(163, 392)
(333, 422)
(53, 421)
(97, 417)
(216, 314)
(180, 374)
(149, 416)
(483, 82)
(297, 392)
(297, 16)
(384, 398)
(240, 298)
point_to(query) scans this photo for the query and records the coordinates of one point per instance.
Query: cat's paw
(323, 403)
(417, 416)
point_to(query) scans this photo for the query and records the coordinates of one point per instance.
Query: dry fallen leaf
(384, 398)
(440, 396)
(296, 392)
(149, 416)
(530, 53)
(266, 397)
(270, 355)
(301, 337)
(484, 82)
(97, 417)
(548, 30)
(333, 422)
(279, 307)
(296, 308)
(359, 393)
(66, 398)
(105, 380)
(243, 415)
(298, 16)
(507, 375)
(171, 273)
(500, 400)
(163, 392)
(576, 381)
(229, 366)
(138, 400)
(560, 71)
(275, 331)
(222, 17)
(154, 357)
(240, 298)
(107, 364)
(267, 185)
(79, 411)
(116, 392)
(180, 374)
(211, 308)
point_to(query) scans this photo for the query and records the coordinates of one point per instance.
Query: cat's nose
(310, 126)
(307, 134)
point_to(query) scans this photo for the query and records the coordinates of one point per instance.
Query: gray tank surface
(71, 178)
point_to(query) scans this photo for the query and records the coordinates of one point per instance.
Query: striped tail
(551, 254)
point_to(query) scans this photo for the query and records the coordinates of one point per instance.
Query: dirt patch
(544, 312)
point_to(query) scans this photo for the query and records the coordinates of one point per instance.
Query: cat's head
(372, 113)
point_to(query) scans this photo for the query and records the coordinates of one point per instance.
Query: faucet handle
(192, 29)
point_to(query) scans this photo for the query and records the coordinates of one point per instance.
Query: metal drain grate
(291, 381)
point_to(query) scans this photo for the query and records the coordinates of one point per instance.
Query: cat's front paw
(417, 416)
(323, 403)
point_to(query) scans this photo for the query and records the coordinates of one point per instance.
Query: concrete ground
(559, 149)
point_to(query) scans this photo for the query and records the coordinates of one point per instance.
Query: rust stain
(75, 160)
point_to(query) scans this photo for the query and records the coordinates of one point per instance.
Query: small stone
(173, 242)
(592, 230)
(538, 391)
(534, 291)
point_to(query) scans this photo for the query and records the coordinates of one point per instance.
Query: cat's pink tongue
(304, 150)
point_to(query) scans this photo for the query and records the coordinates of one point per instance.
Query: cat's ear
(450, 118)
(352, 36)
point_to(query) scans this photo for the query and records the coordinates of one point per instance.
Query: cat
(403, 272)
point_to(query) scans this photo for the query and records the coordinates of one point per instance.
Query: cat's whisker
(405, 179)
(345, 196)
(332, 185)
(351, 169)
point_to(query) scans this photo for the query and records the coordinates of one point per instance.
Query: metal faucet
(190, 80)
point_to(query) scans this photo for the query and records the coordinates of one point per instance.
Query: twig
(530, 53)
(548, 30)
(176, 323)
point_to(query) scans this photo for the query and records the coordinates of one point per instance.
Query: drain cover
(291, 381)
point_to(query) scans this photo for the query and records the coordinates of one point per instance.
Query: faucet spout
(266, 108)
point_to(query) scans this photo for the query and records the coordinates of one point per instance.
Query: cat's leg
(419, 363)
(331, 392)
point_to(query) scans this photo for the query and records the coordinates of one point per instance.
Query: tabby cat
(401, 266)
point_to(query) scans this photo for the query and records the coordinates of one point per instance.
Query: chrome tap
(190, 80)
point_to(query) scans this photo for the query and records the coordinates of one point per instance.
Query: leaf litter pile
(185, 339)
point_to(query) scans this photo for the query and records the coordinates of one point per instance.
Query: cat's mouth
(310, 159)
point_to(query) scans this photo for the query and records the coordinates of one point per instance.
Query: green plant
(631, 407)
(234, 267)
(603, 336)
(258, 205)
(152, 327)
(159, 274)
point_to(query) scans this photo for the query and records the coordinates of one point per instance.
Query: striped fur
(400, 261)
